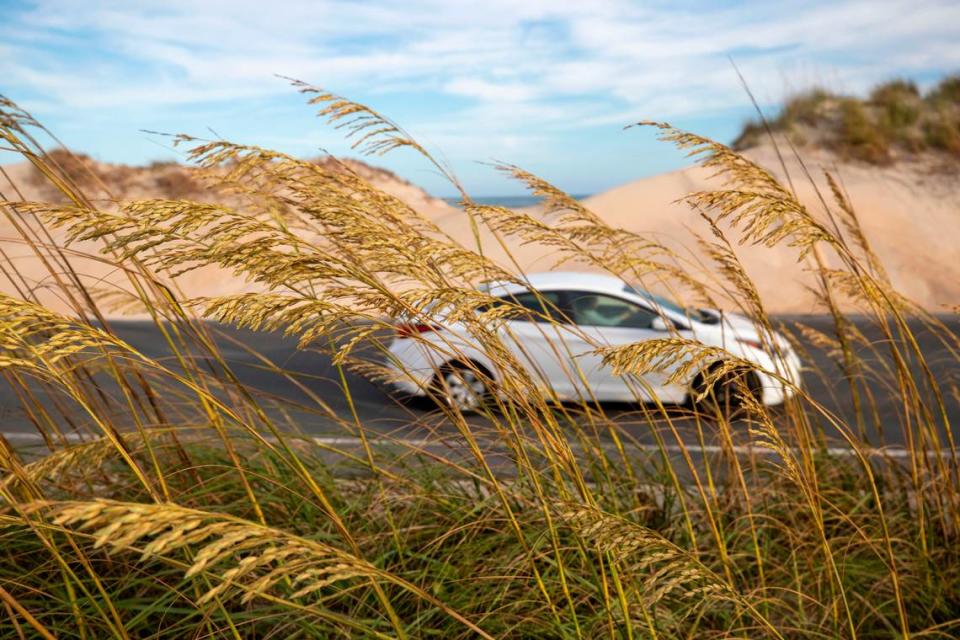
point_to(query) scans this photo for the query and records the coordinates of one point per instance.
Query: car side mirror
(660, 324)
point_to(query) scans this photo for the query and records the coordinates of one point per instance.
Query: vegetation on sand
(173, 501)
(893, 121)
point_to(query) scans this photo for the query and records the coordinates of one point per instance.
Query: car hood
(736, 326)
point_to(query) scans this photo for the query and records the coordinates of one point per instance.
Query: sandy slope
(910, 214)
(19, 182)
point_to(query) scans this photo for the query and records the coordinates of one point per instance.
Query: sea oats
(162, 529)
(544, 518)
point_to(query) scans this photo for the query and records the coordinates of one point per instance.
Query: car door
(610, 321)
(538, 338)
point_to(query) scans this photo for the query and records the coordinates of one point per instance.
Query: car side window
(543, 306)
(599, 310)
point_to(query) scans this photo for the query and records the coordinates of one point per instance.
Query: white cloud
(512, 70)
(491, 91)
(607, 46)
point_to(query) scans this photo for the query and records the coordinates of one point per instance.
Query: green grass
(193, 508)
(894, 120)
(444, 534)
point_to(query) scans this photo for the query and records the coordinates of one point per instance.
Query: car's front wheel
(725, 393)
(462, 387)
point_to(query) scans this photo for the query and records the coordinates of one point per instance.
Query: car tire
(465, 388)
(728, 395)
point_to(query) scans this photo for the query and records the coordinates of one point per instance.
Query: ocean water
(511, 202)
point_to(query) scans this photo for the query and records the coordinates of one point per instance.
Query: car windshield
(669, 305)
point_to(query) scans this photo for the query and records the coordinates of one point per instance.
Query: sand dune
(909, 212)
(20, 182)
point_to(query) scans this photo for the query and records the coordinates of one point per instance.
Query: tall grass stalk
(173, 500)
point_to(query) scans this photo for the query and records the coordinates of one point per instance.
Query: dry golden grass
(221, 520)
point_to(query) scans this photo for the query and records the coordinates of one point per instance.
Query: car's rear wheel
(463, 387)
(726, 393)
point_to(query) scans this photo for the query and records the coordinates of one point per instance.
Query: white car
(589, 311)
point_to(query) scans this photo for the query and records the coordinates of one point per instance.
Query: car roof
(554, 280)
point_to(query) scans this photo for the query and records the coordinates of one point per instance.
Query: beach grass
(174, 501)
(894, 121)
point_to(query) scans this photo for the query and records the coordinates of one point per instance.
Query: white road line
(376, 442)
(344, 441)
(15, 436)
(891, 452)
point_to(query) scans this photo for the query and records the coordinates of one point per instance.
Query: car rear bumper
(411, 367)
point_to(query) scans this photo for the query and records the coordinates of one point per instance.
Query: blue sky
(546, 84)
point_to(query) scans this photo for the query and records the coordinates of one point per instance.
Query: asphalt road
(316, 378)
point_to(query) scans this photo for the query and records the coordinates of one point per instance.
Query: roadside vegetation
(894, 121)
(175, 502)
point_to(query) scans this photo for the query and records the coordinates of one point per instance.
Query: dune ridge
(904, 210)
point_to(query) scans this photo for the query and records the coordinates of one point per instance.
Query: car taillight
(756, 344)
(410, 330)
